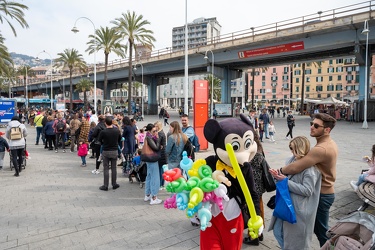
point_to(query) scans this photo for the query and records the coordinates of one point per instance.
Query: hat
(2, 133)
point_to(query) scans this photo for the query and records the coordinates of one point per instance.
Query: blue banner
(7, 109)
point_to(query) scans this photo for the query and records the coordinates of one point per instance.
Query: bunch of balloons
(195, 193)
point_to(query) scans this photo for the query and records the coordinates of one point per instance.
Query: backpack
(60, 126)
(194, 140)
(166, 114)
(189, 148)
(16, 133)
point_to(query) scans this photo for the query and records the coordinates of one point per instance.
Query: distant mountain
(20, 59)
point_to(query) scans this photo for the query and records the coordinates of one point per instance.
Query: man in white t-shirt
(93, 118)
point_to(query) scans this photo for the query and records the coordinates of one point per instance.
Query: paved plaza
(56, 204)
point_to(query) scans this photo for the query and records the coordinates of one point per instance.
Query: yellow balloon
(255, 221)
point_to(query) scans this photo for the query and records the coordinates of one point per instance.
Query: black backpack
(189, 148)
(60, 126)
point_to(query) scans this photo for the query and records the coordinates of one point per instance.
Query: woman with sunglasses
(304, 191)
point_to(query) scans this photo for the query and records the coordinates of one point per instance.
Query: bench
(366, 191)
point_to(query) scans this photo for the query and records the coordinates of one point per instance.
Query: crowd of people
(311, 172)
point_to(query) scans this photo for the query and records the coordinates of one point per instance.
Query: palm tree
(108, 40)
(73, 60)
(5, 58)
(133, 28)
(25, 71)
(316, 64)
(84, 85)
(217, 88)
(13, 10)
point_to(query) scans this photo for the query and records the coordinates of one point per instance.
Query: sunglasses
(316, 125)
(153, 131)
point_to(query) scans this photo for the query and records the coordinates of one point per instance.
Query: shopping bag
(284, 208)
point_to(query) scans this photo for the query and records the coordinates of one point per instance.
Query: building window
(307, 79)
(308, 72)
(263, 84)
(339, 61)
(330, 70)
(339, 69)
(297, 80)
(307, 88)
(330, 87)
(338, 78)
(319, 71)
(286, 70)
(330, 78)
(319, 88)
(297, 89)
(319, 79)
(297, 72)
(273, 70)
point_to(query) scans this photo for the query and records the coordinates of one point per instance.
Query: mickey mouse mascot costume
(227, 225)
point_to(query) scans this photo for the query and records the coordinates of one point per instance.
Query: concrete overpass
(319, 36)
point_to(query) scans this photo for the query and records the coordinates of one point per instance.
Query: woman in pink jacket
(368, 175)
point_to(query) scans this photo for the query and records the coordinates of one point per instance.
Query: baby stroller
(23, 165)
(139, 172)
(355, 231)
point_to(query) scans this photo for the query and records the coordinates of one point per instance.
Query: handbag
(284, 208)
(268, 180)
(148, 154)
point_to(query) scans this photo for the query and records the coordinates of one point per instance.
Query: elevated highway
(319, 36)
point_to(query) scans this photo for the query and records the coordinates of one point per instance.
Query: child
(272, 130)
(369, 175)
(83, 149)
(304, 189)
(141, 138)
(3, 145)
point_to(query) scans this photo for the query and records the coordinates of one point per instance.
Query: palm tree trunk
(84, 100)
(105, 97)
(303, 89)
(130, 77)
(24, 82)
(71, 89)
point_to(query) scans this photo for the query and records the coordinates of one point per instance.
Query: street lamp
(75, 30)
(212, 80)
(365, 31)
(51, 97)
(142, 92)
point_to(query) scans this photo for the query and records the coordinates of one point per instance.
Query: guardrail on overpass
(306, 23)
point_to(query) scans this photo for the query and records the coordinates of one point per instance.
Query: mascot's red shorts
(223, 234)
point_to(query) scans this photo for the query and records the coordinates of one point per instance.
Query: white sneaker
(287, 137)
(147, 198)
(353, 184)
(155, 201)
(95, 171)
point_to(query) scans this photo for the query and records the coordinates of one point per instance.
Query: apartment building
(201, 31)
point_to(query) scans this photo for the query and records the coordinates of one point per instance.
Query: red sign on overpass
(272, 50)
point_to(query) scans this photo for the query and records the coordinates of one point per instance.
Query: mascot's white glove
(220, 177)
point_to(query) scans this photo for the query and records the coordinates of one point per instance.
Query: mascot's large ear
(245, 119)
(211, 130)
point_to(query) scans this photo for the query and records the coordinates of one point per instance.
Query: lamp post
(212, 80)
(365, 30)
(75, 30)
(26, 94)
(186, 77)
(142, 92)
(51, 97)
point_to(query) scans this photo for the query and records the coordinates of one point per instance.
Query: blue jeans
(266, 130)
(361, 179)
(152, 179)
(322, 217)
(278, 232)
(83, 158)
(39, 132)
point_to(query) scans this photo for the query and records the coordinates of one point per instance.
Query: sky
(51, 21)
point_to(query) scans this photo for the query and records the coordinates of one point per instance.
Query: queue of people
(311, 172)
